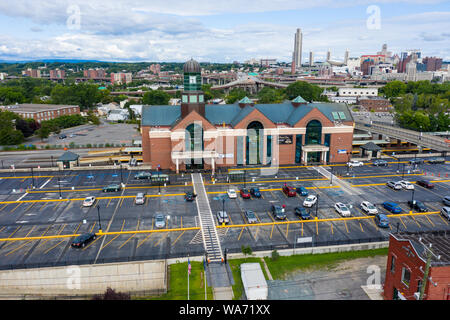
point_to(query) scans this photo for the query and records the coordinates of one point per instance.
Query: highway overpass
(420, 139)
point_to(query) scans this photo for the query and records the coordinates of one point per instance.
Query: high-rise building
(329, 55)
(94, 73)
(57, 74)
(346, 57)
(432, 63)
(33, 73)
(311, 58)
(298, 48)
(121, 78)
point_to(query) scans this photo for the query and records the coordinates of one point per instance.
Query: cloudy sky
(218, 31)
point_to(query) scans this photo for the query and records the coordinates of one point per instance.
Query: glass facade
(313, 132)
(298, 148)
(253, 142)
(327, 143)
(192, 82)
(269, 149)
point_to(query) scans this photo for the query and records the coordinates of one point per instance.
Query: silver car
(160, 221)
(222, 217)
(140, 198)
(445, 212)
(251, 217)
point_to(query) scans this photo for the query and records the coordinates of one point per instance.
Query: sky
(219, 31)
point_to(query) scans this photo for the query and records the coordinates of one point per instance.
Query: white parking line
(45, 183)
(22, 196)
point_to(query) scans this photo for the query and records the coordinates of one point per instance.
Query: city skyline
(174, 31)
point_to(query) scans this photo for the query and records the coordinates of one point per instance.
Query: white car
(89, 201)
(368, 207)
(342, 209)
(406, 185)
(310, 201)
(232, 193)
(354, 163)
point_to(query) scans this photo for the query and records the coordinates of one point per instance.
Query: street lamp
(331, 177)
(32, 178)
(99, 224)
(59, 187)
(412, 199)
(317, 206)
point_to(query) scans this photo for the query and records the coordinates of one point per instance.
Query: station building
(196, 135)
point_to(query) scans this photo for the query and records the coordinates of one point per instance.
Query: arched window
(313, 132)
(254, 143)
(194, 137)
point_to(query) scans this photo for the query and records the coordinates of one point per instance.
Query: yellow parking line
(90, 244)
(108, 202)
(179, 237)
(93, 226)
(346, 228)
(287, 230)
(332, 232)
(431, 222)
(403, 223)
(162, 238)
(240, 234)
(137, 227)
(273, 225)
(416, 221)
(361, 227)
(317, 227)
(443, 219)
(40, 209)
(15, 208)
(51, 248)
(145, 239)
(19, 247)
(3, 207)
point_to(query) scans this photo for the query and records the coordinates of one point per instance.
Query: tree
(9, 136)
(394, 89)
(156, 97)
(111, 294)
(270, 95)
(307, 91)
(235, 94)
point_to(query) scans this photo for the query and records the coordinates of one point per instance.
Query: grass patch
(178, 283)
(238, 288)
(287, 264)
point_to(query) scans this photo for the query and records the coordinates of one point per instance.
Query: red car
(245, 194)
(289, 191)
(425, 184)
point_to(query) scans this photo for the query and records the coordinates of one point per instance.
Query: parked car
(189, 196)
(425, 184)
(392, 207)
(132, 162)
(416, 161)
(368, 207)
(140, 198)
(446, 200)
(255, 192)
(289, 191)
(394, 185)
(232, 193)
(342, 209)
(406, 185)
(310, 201)
(245, 194)
(62, 136)
(445, 212)
(354, 163)
(278, 212)
(302, 213)
(82, 240)
(301, 191)
(143, 175)
(418, 205)
(112, 188)
(436, 160)
(250, 216)
(380, 163)
(160, 221)
(382, 220)
(89, 201)
(222, 217)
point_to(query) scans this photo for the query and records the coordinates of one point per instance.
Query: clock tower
(192, 97)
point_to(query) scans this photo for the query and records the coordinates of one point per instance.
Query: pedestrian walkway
(210, 237)
(220, 278)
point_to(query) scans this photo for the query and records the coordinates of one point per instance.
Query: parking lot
(37, 225)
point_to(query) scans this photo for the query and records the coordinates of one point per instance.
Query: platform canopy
(370, 146)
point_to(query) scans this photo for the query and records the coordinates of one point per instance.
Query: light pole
(99, 224)
(331, 177)
(32, 178)
(412, 199)
(59, 187)
(317, 206)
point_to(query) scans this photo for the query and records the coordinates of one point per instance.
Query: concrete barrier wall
(147, 277)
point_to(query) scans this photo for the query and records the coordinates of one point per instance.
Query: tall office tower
(346, 57)
(298, 48)
(293, 63)
(311, 58)
(329, 55)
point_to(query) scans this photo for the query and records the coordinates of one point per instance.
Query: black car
(82, 240)
(62, 136)
(416, 161)
(302, 213)
(418, 205)
(380, 163)
(425, 184)
(278, 212)
(189, 196)
(436, 160)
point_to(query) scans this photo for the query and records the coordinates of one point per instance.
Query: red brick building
(195, 135)
(376, 104)
(41, 112)
(406, 264)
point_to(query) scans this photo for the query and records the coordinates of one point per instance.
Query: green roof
(299, 99)
(68, 156)
(245, 100)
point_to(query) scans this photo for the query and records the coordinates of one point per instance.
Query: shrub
(275, 255)
(246, 250)
(111, 294)
(89, 145)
